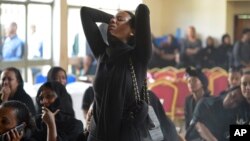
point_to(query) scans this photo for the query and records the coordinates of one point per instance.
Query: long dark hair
(224, 37)
(63, 98)
(17, 74)
(51, 76)
(23, 114)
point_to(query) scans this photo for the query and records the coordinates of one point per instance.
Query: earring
(131, 34)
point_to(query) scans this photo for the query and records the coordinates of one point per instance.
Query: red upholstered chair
(170, 68)
(218, 83)
(153, 70)
(183, 92)
(167, 93)
(207, 72)
(165, 74)
(218, 69)
(180, 74)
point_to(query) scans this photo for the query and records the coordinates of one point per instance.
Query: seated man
(198, 87)
(213, 115)
(13, 47)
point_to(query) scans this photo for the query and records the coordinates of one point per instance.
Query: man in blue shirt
(13, 47)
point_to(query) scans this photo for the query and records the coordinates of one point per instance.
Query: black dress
(22, 96)
(113, 88)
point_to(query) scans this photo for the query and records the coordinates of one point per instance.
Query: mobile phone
(19, 129)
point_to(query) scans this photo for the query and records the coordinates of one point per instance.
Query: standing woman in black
(129, 38)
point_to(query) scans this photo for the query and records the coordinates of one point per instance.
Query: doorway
(241, 22)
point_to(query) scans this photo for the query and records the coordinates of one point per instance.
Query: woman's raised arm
(89, 17)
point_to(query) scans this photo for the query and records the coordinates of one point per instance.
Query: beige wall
(208, 16)
(156, 12)
(234, 8)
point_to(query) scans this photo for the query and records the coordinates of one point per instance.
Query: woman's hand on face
(5, 93)
(14, 135)
(48, 117)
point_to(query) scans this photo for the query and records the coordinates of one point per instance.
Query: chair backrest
(218, 83)
(167, 93)
(180, 74)
(183, 92)
(71, 78)
(170, 68)
(218, 69)
(154, 70)
(165, 74)
(40, 78)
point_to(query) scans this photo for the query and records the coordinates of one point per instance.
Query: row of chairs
(171, 95)
(170, 85)
(40, 78)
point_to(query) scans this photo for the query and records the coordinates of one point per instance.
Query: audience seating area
(41, 78)
(170, 85)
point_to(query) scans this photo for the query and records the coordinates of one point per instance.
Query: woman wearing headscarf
(59, 74)
(52, 97)
(12, 88)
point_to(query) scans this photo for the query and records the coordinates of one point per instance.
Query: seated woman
(59, 74)
(12, 114)
(206, 56)
(52, 96)
(165, 54)
(197, 85)
(12, 88)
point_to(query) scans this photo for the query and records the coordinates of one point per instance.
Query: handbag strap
(135, 85)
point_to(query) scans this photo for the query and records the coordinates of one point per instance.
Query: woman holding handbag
(120, 107)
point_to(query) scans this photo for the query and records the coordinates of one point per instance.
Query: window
(76, 39)
(25, 33)
(45, 1)
(39, 25)
(13, 31)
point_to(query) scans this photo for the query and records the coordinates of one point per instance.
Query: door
(241, 22)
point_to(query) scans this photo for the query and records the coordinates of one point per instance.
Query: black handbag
(153, 125)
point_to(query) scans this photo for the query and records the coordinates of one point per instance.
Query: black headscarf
(62, 102)
(52, 73)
